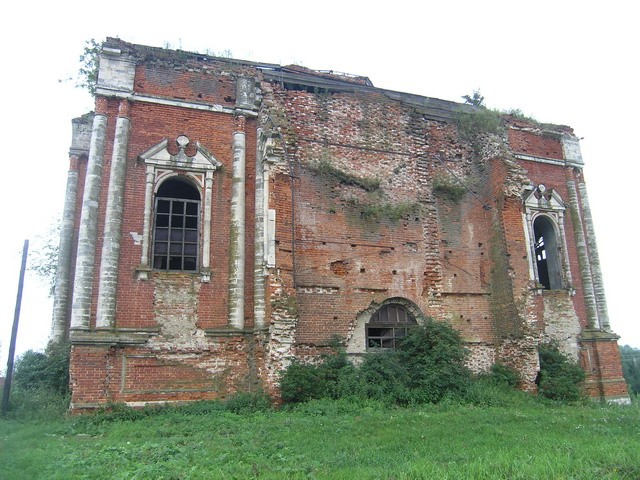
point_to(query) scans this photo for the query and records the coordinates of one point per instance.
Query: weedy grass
(341, 439)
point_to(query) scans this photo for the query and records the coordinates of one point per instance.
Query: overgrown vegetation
(47, 371)
(631, 367)
(376, 210)
(89, 66)
(354, 428)
(476, 99)
(40, 387)
(427, 366)
(481, 122)
(325, 167)
(448, 187)
(559, 378)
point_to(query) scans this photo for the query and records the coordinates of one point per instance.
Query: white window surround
(160, 166)
(547, 202)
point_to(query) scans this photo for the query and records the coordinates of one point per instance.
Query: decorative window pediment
(542, 198)
(159, 155)
(199, 168)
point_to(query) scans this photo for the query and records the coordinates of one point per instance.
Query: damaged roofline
(433, 108)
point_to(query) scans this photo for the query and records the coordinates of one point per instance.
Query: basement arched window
(388, 325)
(176, 226)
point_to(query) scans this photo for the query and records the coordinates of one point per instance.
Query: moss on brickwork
(448, 187)
(287, 303)
(324, 167)
(379, 210)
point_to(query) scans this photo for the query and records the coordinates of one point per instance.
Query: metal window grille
(387, 326)
(175, 243)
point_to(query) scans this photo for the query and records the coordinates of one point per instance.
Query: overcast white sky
(564, 62)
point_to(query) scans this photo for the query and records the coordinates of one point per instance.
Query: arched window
(547, 254)
(175, 227)
(387, 325)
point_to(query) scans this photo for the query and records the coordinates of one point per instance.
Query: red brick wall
(341, 248)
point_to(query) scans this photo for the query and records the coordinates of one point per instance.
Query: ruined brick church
(223, 217)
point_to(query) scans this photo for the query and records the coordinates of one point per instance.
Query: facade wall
(375, 200)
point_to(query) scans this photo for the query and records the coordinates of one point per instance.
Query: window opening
(176, 226)
(546, 252)
(388, 325)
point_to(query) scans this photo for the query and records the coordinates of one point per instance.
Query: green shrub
(631, 367)
(382, 377)
(434, 357)
(559, 378)
(303, 382)
(482, 121)
(502, 374)
(427, 365)
(49, 370)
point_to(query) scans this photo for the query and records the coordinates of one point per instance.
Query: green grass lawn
(326, 439)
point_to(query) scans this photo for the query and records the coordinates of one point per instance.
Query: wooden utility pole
(14, 331)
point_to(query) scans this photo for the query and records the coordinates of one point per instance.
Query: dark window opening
(547, 254)
(388, 325)
(175, 239)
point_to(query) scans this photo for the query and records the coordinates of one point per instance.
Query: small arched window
(388, 325)
(548, 260)
(175, 227)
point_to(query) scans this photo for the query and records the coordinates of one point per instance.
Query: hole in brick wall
(479, 244)
(455, 274)
(362, 270)
(395, 272)
(199, 95)
(324, 243)
(335, 317)
(353, 245)
(339, 267)
(468, 320)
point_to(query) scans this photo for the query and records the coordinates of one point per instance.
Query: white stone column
(594, 258)
(206, 230)
(237, 231)
(259, 310)
(148, 210)
(107, 286)
(87, 236)
(59, 322)
(583, 257)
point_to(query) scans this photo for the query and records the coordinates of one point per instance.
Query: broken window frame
(389, 324)
(545, 208)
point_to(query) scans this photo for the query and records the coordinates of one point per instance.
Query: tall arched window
(547, 253)
(175, 227)
(387, 325)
